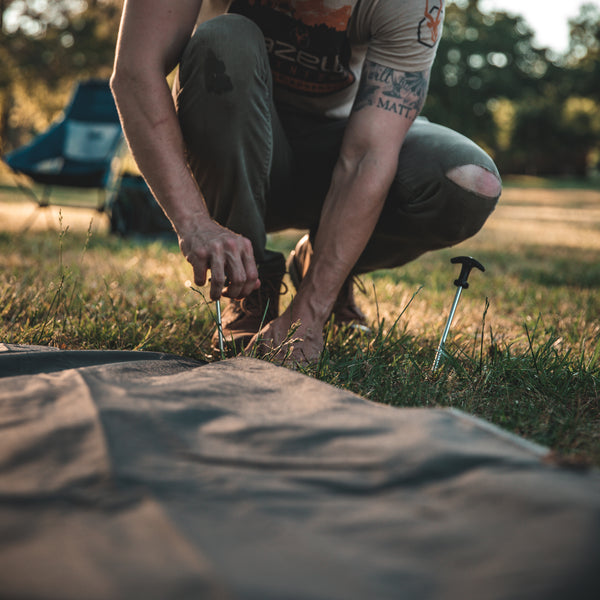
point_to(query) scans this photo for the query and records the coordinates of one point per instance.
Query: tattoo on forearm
(399, 92)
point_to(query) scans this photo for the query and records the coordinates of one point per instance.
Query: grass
(524, 346)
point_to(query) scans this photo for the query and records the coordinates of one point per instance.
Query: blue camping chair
(80, 150)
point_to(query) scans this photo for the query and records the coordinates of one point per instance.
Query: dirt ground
(551, 217)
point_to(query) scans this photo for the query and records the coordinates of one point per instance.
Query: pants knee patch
(476, 179)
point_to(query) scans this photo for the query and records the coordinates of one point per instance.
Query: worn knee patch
(476, 179)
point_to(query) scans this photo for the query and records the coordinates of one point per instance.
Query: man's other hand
(229, 257)
(292, 344)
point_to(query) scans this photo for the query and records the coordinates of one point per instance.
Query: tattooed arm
(394, 91)
(387, 103)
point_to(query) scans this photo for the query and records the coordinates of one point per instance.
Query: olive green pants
(263, 168)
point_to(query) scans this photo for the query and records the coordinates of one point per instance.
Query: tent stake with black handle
(467, 263)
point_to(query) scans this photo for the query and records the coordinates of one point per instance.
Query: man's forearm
(152, 36)
(362, 177)
(352, 208)
(350, 214)
(153, 134)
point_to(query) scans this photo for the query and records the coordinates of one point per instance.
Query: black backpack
(136, 212)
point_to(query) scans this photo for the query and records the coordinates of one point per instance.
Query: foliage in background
(534, 111)
(47, 46)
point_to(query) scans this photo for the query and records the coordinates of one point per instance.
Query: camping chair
(81, 150)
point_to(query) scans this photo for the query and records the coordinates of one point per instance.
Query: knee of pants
(476, 179)
(471, 194)
(222, 60)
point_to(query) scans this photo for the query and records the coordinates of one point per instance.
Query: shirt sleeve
(400, 34)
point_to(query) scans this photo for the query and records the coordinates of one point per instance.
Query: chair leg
(45, 199)
(43, 204)
(31, 219)
(101, 206)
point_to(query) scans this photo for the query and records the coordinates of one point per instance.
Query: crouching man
(297, 114)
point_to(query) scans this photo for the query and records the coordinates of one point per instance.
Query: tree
(483, 58)
(558, 132)
(46, 47)
(583, 56)
(491, 83)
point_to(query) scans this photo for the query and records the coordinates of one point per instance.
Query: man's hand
(229, 257)
(287, 342)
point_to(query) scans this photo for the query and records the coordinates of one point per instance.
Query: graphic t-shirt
(317, 47)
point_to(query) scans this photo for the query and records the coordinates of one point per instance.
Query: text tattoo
(399, 92)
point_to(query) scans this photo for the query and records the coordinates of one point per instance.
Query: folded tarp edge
(40, 360)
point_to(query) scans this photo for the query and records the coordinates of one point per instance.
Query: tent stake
(467, 263)
(220, 327)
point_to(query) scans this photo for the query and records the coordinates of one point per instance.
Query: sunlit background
(519, 77)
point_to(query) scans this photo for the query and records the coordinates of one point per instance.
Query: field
(524, 346)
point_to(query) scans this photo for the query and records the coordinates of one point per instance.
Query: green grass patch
(524, 350)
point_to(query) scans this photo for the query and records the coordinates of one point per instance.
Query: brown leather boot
(345, 309)
(242, 319)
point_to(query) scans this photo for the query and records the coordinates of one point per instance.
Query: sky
(547, 18)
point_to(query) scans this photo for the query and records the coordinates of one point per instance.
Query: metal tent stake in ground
(467, 263)
(220, 327)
